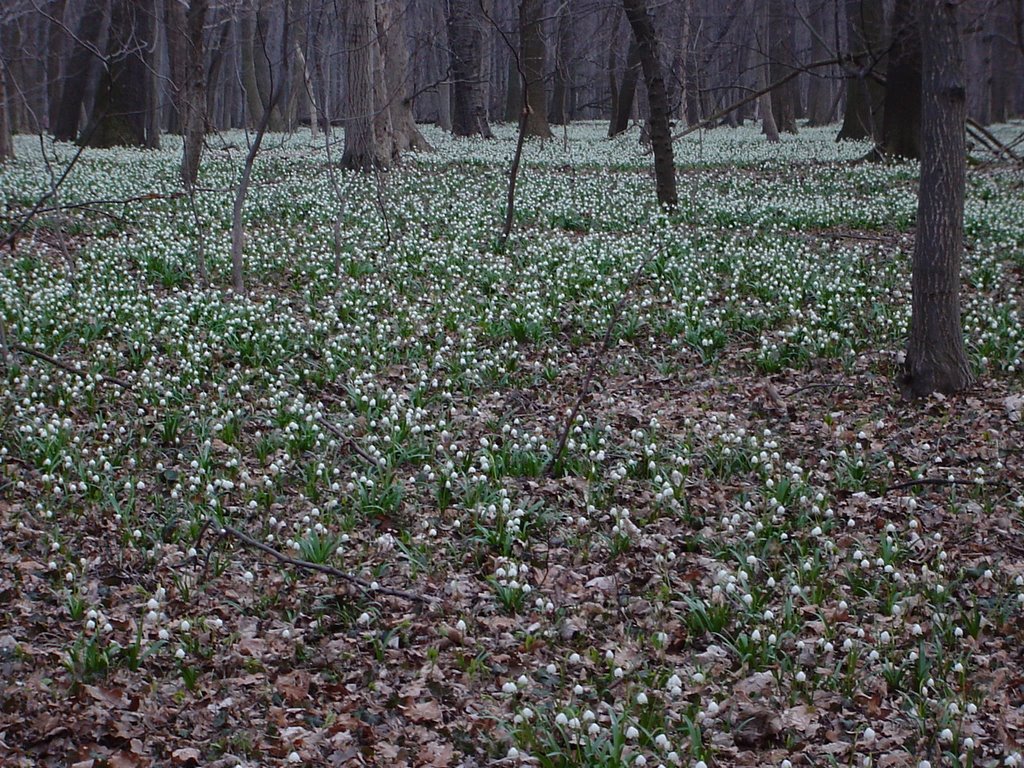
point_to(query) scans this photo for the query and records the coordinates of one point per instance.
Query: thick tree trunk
(627, 91)
(936, 361)
(398, 77)
(193, 102)
(764, 103)
(901, 126)
(785, 98)
(253, 101)
(119, 115)
(865, 96)
(6, 135)
(465, 40)
(362, 151)
(81, 68)
(56, 46)
(820, 101)
(657, 97)
(531, 57)
(558, 114)
(177, 58)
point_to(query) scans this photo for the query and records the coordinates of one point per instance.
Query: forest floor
(328, 523)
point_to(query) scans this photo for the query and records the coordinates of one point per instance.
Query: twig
(589, 377)
(805, 387)
(329, 570)
(939, 481)
(70, 369)
(349, 440)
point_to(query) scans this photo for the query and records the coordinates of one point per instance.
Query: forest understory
(633, 489)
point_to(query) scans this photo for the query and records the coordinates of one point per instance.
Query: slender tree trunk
(657, 97)
(627, 93)
(514, 92)
(56, 50)
(444, 69)
(177, 58)
(901, 127)
(213, 74)
(936, 361)
(613, 66)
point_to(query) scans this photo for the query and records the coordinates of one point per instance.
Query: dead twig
(833, 385)
(348, 441)
(940, 481)
(329, 570)
(589, 376)
(69, 368)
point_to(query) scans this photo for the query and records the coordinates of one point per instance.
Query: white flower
(641, 698)
(632, 732)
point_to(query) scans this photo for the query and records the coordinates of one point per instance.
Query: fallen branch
(348, 440)
(805, 387)
(70, 369)
(320, 568)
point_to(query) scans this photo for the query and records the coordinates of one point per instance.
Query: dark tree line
(109, 72)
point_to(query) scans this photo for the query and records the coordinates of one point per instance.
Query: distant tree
(391, 25)
(936, 361)
(625, 97)
(781, 45)
(193, 101)
(82, 64)
(865, 95)
(465, 40)
(901, 123)
(531, 57)
(561, 92)
(120, 112)
(657, 100)
(364, 149)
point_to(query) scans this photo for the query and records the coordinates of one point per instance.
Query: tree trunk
(763, 33)
(657, 97)
(865, 96)
(253, 101)
(81, 68)
(901, 126)
(399, 78)
(820, 101)
(56, 48)
(514, 92)
(362, 151)
(119, 115)
(613, 65)
(193, 103)
(627, 92)
(177, 57)
(6, 135)
(785, 98)
(936, 361)
(465, 40)
(213, 74)
(558, 114)
(531, 58)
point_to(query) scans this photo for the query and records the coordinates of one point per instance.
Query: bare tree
(865, 95)
(193, 102)
(901, 124)
(531, 44)
(465, 40)
(936, 361)
(657, 99)
(363, 149)
(6, 135)
(561, 92)
(395, 51)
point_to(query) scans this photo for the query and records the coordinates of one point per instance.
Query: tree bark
(56, 48)
(119, 115)
(362, 150)
(398, 78)
(865, 96)
(6, 134)
(936, 361)
(901, 126)
(561, 92)
(465, 40)
(193, 102)
(627, 91)
(820, 101)
(657, 96)
(82, 67)
(785, 99)
(531, 57)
